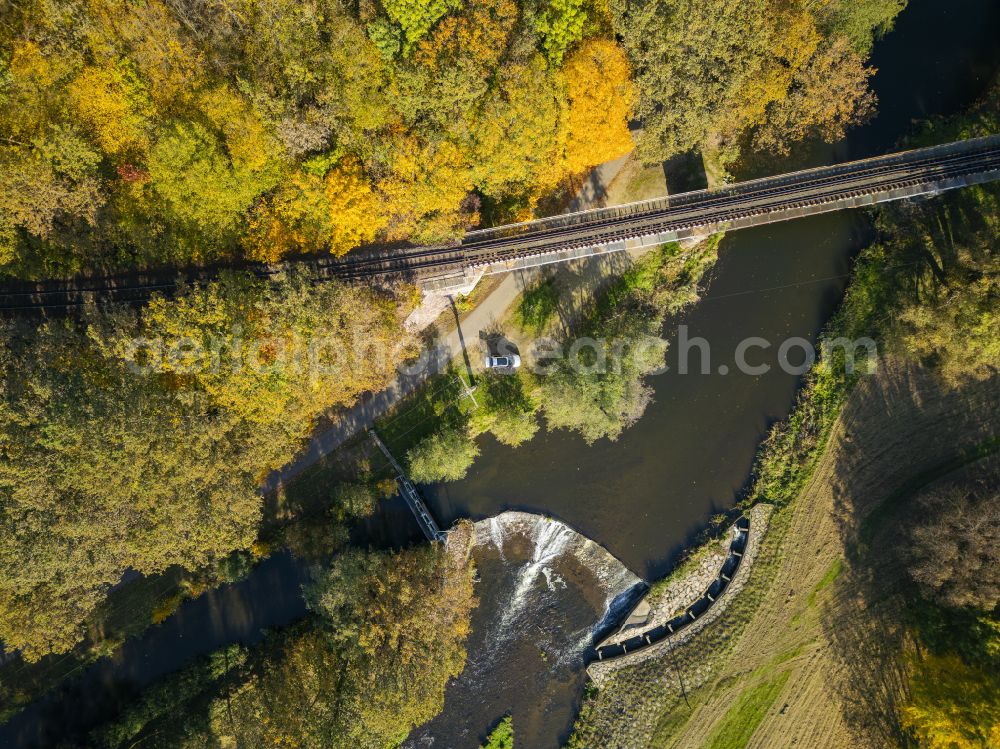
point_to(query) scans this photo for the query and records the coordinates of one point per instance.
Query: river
(644, 496)
(641, 497)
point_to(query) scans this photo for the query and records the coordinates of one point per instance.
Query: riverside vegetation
(163, 133)
(597, 400)
(370, 661)
(903, 633)
(174, 133)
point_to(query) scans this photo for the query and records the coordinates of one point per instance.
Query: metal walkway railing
(412, 497)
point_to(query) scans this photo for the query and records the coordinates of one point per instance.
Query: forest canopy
(120, 456)
(167, 133)
(162, 133)
(384, 635)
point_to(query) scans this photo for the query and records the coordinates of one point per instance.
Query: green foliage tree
(442, 456)
(109, 468)
(200, 184)
(416, 17)
(505, 409)
(384, 635)
(598, 388)
(944, 282)
(355, 500)
(861, 21)
(561, 24)
(501, 737)
(597, 396)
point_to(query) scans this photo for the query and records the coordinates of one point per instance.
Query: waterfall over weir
(555, 546)
(546, 593)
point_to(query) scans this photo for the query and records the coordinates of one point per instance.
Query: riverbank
(815, 650)
(778, 668)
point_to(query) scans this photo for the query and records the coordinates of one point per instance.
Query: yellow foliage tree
(425, 189)
(249, 142)
(479, 33)
(336, 212)
(113, 104)
(600, 97)
(953, 705)
(519, 138)
(30, 96)
(793, 41)
(828, 95)
(152, 35)
(354, 209)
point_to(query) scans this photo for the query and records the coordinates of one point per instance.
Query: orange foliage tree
(600, 97)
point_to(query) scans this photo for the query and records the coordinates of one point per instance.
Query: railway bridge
(908, 174)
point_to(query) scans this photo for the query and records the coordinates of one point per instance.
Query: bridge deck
(781, 198)
(412, 497)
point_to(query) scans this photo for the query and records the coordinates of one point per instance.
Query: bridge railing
(638, 208)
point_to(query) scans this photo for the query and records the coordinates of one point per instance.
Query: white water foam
(551, 541)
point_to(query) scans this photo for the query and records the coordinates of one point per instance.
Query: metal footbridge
(411, 496)
(908, 174)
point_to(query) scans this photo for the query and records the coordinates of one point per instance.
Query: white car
(513, 361)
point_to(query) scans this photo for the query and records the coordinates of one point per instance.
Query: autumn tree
(282, 127)
(952, 705)
(424, 190)
(114, 105)
(335, 212)
(516, 149)
(828, 95)
(51, 181)
(600, 97)
(952, 554)
(707, 72)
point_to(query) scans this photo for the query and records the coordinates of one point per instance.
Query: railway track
(769, 199)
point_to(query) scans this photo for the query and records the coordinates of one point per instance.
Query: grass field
(809, 654)
(741, 720)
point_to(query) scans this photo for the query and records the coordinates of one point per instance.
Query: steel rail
(607, 226)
